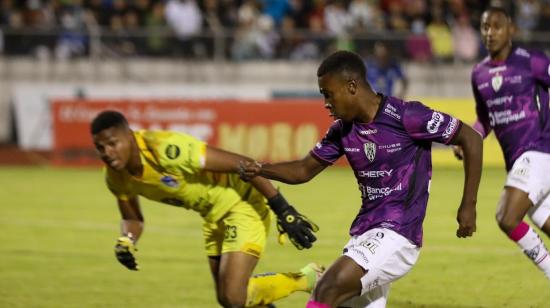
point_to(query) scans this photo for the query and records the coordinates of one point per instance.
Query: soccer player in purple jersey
(511, 92)
(388, 144)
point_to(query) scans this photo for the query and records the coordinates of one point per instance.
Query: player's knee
(231, 298)
(328, 290)
(507, 223)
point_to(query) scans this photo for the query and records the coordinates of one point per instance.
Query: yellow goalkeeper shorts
(244, 228)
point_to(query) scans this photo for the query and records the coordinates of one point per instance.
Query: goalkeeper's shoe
(313, 273)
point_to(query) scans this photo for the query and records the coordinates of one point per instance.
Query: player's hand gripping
(466, 218)
(124, 252)
(298, 227)
(248, 169)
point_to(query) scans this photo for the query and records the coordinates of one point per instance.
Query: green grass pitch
(58, 227)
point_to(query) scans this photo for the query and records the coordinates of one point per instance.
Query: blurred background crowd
(417, 30)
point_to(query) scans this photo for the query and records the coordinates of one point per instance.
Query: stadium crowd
(420, 30)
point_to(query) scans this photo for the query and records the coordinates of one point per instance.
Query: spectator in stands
(244, 45)
(276, 9)
(337, 19)
(100, 12)
(118, 41)
(73, 39)
(396, 18)
(465, 40)
(142, 8)
(384, 71)
(300, 11)
(215, 19)
(365, 15)
(417, 44)
(527, 15)
(11, 19)
(184, 17)
(157, 41)
(544, 25)
(310, 47)
(440, 37)
(136, 36)
(289, 38)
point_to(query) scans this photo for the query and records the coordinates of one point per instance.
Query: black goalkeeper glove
(297, 226)
(124, 252)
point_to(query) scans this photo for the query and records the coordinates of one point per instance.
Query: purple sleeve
(329, 149)
(482, 124)
(540, 65)
(423, 123)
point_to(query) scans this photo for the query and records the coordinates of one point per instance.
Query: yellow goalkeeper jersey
(172, 174)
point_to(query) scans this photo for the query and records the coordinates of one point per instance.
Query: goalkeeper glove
(124, 252)
(297, 226)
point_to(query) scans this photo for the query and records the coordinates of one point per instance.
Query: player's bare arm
(298, 227)
(472, 146)
(131, 227)
(132, 219)
(291, 172)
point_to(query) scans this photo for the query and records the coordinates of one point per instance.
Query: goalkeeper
(179, 170)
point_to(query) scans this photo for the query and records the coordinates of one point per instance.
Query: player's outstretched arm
(298, 227)
(290, 172)
(472, 145)
(131, 227)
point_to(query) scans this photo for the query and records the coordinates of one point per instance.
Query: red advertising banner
(265, 130)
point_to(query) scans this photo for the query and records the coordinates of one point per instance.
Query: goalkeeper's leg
(268, 287)
(235, 287)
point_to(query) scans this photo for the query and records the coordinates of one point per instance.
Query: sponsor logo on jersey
(390, 148)
(370, 150)
(450, 128)
(522, 52)
(434, 122)
(172, 151)
(496, 82)
(169, 181)
(392, 111)
(513, 79)
(373, 193)
(374, 173)
(497, 69)
(351, 149)
(368, 132)
(483, 86)
(499, 101)
(504, 117)
(523, 172)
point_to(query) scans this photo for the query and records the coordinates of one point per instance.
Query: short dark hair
(497, 9)
(343, 61)
(107, 119)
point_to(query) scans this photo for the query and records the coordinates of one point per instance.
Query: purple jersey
(391, 159)
(512, 99)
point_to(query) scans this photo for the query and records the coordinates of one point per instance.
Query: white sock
(534, 249)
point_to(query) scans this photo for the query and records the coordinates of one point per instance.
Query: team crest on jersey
(172, 151)
(169, 181)
(496, 82)
(370, 150)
